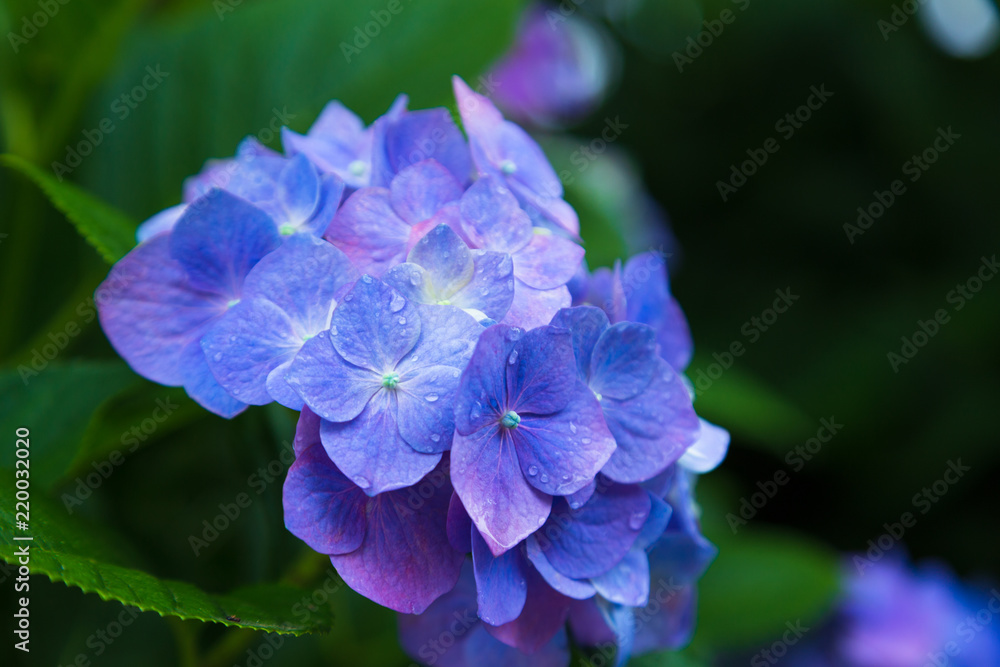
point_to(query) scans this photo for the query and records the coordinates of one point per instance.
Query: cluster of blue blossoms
(466, 385)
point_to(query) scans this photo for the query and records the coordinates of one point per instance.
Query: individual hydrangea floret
(526, 429)
(384, 379)
(442, 270)
(288, 298)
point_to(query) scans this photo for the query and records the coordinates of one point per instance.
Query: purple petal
(561, 453)
(548, 261)
(447, 260)
(544, 615)
(370, 450)
(627, 582)
(302, 277)
(588, 542)
(500, 581)
(491, 289)
(541, 377)
(623, 360)
(425, 134)
(588, 625)
(405, 561)
(486, 475)
(586, 323)
(437, 636)
(306, 431)
(333, 388)
(533, 308)
(249, 342)
(203, 387)
(573, 588)
(482, 389)
(323, 508)
(491, 218)
(219, 239)
(459, 526)
(579, 283)
(577, 499)
(659, 517)
(420, 191)
(668, 619)
(708, 450)
(652, 429)
(647, 292)
(337, 142)
(374, 326)
(369, 231)
(151, 313)
(484, 650)
(448, 337)
(605, 291)
(544, 209)
(160, 223)
(426, 412)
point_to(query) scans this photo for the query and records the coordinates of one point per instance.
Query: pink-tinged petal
(563, 452)
(426, 412)
(548, 261)
(405, 562)
(605, 291)
(369, 231)
(491, 218)
(588, 542)
(421, 190)
(323, 508)
(438, 635)
(501, 582)
(252, 339)
(332, 387)
(587, 624)
(503, 506)
(653, 429)
(586, 323)
(306, 431)
(708, 450)
(160, 223)
(623, 361)
(151, 313)
(541, 372)
(544, 615)
(303, 278)
(533, 308)
(374, 326)
(203, 387)
(338, 143)
(459, 526)
(627, 583)
(573, 588)
(370, 450)
(544, 209)
(219, 238)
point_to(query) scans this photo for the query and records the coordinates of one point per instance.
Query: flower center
(232, 302)
(510, 419)
(357, 167)
(508, 167)
(390, 380)
(286, 230)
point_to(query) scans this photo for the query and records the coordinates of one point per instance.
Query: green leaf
(750, 409)
(110, 231)
(66, 549)
(57, 403)
(252, 67)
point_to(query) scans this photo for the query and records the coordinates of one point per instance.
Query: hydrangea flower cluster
(485, 424)
(892, 614)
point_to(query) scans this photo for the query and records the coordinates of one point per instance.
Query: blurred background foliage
(235, 68)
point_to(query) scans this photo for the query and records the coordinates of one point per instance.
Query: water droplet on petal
(435, 437)
(572, 427)
(333, 330)
(532, 470)
(574, 504)
(362, 482)
(586, 441)
(431, 398)
(565, 478)
(349, 297)
(514, 333)
(396, 303)
(415, 279)
(544, 479)
(217, 356)
(402, 320)
(366, 278)
(484, 291)
(636, 520)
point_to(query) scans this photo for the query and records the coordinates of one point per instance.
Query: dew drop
(402, 320)
(544, 479)
(565, 478)
(333, 330)
(532, 471)
(435, 437)
(366, 279)
(415, 279)
(512, 359)
(636, 520)
(430, 398)
(217, 356)
(572, 427)
(396, 304)
(362, 482)
(349, 297)
(574, 504)
(586, 441)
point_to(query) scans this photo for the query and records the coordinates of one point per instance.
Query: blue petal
(425, 134)
(623, 360)
(708, 450)
(332, 387)
(446, 258)
(627, 583)
(219, 239)
(586, 324)
(650, 302)
(500, 582)
(532, 308)
(491, 289)
(203, 387)
(374, 326)
(426, 411)
(421, 190)
(576, 589)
